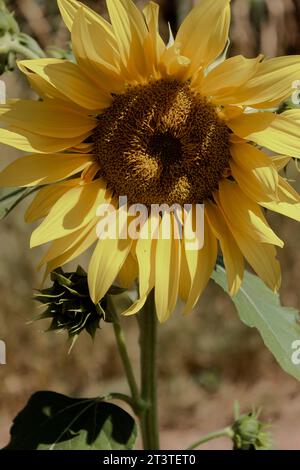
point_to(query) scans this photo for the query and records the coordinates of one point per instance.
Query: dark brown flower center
(162, 144)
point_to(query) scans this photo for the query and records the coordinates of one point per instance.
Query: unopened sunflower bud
(69, 304)
(8, 23)
(250, 433)
(8, 29)
(13, 43)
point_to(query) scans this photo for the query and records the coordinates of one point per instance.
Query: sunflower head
(162, 143)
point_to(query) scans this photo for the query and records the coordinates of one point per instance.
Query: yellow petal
(201, 264)
(185, 278)
(153, 44)
(41, 86)
(30, 142)
(231, 73)
(233, 258)
(74, 210)
(245, 216)
(288, 202)
(96, 55)
(70, 81)
(85, 239)
(46, 198)
(70, 243)
(69, 8)
(254, 172)
(130, 31)
(145, 254)
(203, 34)
(167, 269)
(280, 161)
(38, 169)
(271, 85)
(48, 119)
(261, 256)
(249, 123)
(174, 64)
(105, 264)
(128, 272)
(282, 134)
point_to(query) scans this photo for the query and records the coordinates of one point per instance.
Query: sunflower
(159, 124)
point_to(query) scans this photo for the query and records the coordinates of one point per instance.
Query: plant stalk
(226, 432)
(148, 342)
(120, 338)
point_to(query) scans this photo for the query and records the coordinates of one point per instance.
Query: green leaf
(260, 308)
(51, 421)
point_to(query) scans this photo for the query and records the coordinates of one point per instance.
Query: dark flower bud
(69, 305)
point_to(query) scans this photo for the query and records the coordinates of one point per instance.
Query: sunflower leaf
(260, 308)
(51, 421)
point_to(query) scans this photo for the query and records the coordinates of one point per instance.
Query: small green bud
(69, 304)
(8, 23)
(251, 434)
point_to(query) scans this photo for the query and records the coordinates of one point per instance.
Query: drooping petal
(254, 171)
(233, 258)
(200, 264)
(272, 84)
(40, 169)
(288, 202)
(145, 252)
(244, 214)
(106, 262)
(128, 272)
(69, 80)
(85, 239)
(70, 243)
(167, 268)
(185, 277)
(42, 86)
(263, 260)
(203, 34)
(46, 198)
(261, 256)
(74, 210)
(280, 161)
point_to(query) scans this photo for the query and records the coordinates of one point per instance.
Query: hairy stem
(226, 432)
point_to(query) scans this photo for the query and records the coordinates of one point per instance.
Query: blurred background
(207, 360)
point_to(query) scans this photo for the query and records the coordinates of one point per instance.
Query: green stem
(120, 338)
(226, 432)
(148, 339)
